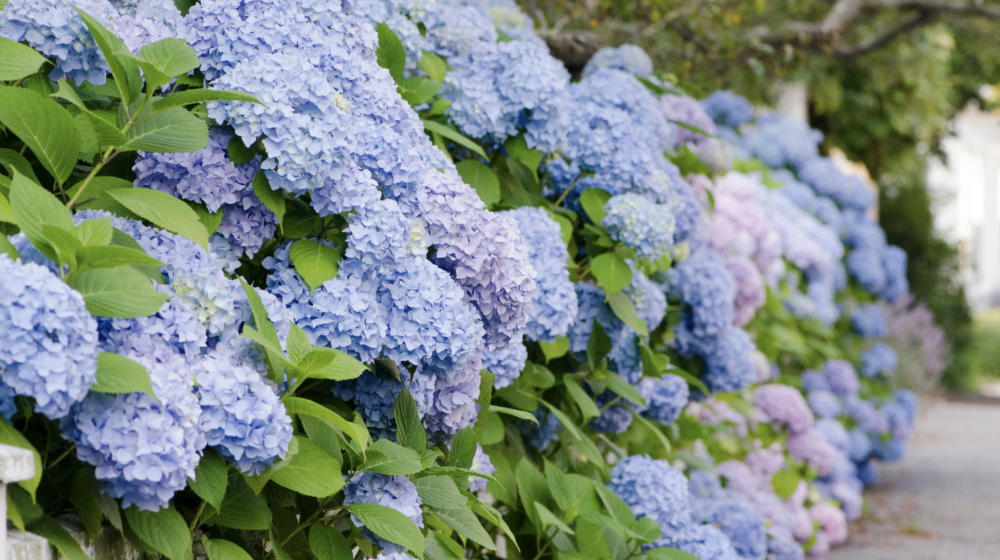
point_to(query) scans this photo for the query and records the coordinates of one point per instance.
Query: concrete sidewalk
(942, 502)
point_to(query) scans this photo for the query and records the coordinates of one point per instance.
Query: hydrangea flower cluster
(868, 321)
(636, 222)
(53, 28)
(654, 489)
(396, 492)
(627, 58)
(48, 341)
(728, 109)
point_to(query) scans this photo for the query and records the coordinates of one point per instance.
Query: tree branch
(884, 38)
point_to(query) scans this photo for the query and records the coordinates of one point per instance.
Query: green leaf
(328, 544)
(410, 430)
(463, 448)
(122, 239)
(103, 125)
(272, 199)
(548, 518)
(210, 478)
(210, 221)
(532, 488)
(669, 554)
(219, 549)
(128, 82)
(390, 54)
(6, 212)
(439, 547)
(647, 529)
(18, 61)
(327, 363)
(164, 211)
(6, 248)
(315, 262)
(34, 207)
(121, 293)
(110, 256)
(96, 233)
(588, 408)
(164, 531)
(311, 471)
(238, 152)
(44, 125)
(324, 434)
(165, 59)
(242, 508)
(418, 89)
(453, 135)
(391, 525)
(440, 492)
(481, 178)
(452, 471)
(593, 200)
(169, 131)
(196, 96)
(466, 524)
(613, 273)
(555, 350)
(64, 243)
(85, 504)
(625, 310)
(491, 514)
(10, 436)
(517, 148)
(655, 429)
(98, 187)
(785, 482)
(394, 459)
(261, 320)
(624, 389)
(295, 405)
(58, 537)
(486, 380)
(12, 160)
(433, 65)
(298, 344)
(598, 345)
(523, 415)
(118, 374)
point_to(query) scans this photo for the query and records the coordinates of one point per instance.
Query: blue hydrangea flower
(687, 211)
(506, 364)
(541, 435)
(396, 492)
(868, 473)
(665, 398)
(504, 87)
(8, 408)
(707, 542)
(207, 176)
(48, 340)
(891, 451)
(909, 401)
(142, 22)
(53, 28)
(728, 109)
(848, 191)
(824, 404)
(452, 389)
(866, 266)
(835, 433)
(860, 446)
(648, 298)
(641, 224)
(729, 363)
(613, 420)
(778, 141)
(615, 89)
(457, 31)
(704, 484)
(781, 545)
(743, 524)
(144, 448)
(654, 489)
(842, 378)
(481, 464)
(554, 300)
(241, 416)
(894, 262)
(628, 58)
(374, 397)
(880, 359)
(868, 321)
(705, 285)
(686, 109)
(247, 224)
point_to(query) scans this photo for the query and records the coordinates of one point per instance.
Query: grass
(984, 353)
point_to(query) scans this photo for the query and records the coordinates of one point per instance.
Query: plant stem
(569, 188)
(197, 515)
(61, 457)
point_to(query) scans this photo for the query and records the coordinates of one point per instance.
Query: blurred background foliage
(885, 78)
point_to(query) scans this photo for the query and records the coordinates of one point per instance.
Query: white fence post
(16, 465)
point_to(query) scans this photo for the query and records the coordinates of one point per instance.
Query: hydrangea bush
(320, 279)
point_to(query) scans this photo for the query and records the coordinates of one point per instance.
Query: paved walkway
(942, 502)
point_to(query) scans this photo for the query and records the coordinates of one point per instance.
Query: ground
(942, 501)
